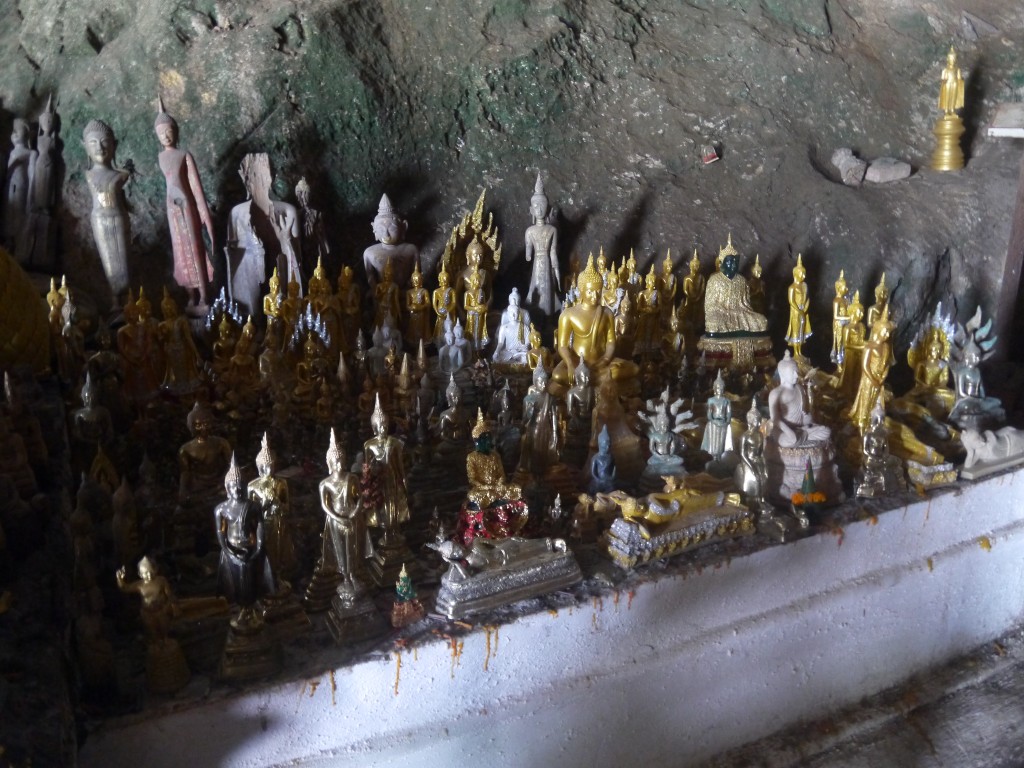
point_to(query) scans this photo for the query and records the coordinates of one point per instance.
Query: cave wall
(611, 100)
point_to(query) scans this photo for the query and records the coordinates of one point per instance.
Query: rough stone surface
(612, 100)
(851, 168)
(886, 169)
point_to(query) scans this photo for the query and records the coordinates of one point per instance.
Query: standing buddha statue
(799, 329)
(417, 308)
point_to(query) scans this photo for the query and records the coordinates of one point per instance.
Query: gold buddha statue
(667, 285)
(876, 361)
(417, 310)
(881, 300)
(349, 307)
(443, 301)
(586, 331)
(484, 470)
(799, 328)
(386, 298)
(757, 300)
(272, 301)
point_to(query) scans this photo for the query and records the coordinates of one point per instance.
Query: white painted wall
(686, 668)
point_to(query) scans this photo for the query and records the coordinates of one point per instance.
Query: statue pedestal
(738, 353)
(652, 479)
(283, 612)
(388, 559)
(320, 591)
(166, 670)
(786, 468)
(354, 618)
(948, 156)
(250, 654)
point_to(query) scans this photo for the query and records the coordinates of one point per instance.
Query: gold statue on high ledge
(948, 156)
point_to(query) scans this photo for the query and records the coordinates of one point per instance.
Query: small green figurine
(407, 609)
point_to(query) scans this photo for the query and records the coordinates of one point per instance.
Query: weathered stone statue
(21, 166)
(314, 240)
(389, 229)
(187, 213)
(40, 242)
(542, 250)
(109, 217)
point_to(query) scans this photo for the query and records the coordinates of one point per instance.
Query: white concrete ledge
(673, 672)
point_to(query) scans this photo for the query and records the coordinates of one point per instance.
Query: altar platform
(670, 665)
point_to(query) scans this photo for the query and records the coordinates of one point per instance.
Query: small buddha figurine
(384, 496)
(840, 319)
(245, 573)
(490, 494)
(106, 366)
(880, 473)
(181, 358)
(109, 217)
(475, 308)
(727, 307)
(601, 466)
(881, 301)
(664, 420)
(91, 425)
(513, 345)
(166, 668)
(649, 310)
(386, 297)
(310, 371)
(757, 299)
(224, 346)
(973, 409)
(533, 394)
(187, 213)
(673, 341)
(417, 308)
(579, 400)
(538, 355)
(272, 301)
(203, 459)
(350, 307)
(290, 308)
(854, 337)
(875, 364)
(39, 246)
(542, 250)
(453, 423)
(456, 352)
(791, 423)
(611, 295)
(320, 299)
(138, 346)
(718, 433)
(543, 428)
(314, 239)
(406, 609)
(445, 307)
(799, 329)
(667, 286)
(389, 229)
(751, 475)
(928, 357)
(474, 263)
(272, 496)
(345, 541)
(586, 331)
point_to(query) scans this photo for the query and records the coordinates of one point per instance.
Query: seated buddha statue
(493, 506)
(727, 309)
(586, 331)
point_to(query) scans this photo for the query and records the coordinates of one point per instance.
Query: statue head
(20, 132)
(88, 394)
(388, 227)
(841, 285)
(199, 420)
(345, 278)
(233, 484)
(856, 308)
(302, 192)
(379, 419)
(881, 329)
(165, 128)
(753, 417)
(694, 263)
(335, 455)
(604, 441)
(513, 299)
(453, 394)
(459, 331)
(146, 569)
(293, 287)
(265, 458)
(474, 253)
(99, 141)
(49, 120)
(730, 265)
(756, 270)
(881, 291)
(651, 280)
(442, 277)
(788, 371)
(611, 279)
(143, 305)
(417, 277)
(799, 273)
(482, 439)
(539, 202)
(168, 306)
(719, 385)
(590, 284)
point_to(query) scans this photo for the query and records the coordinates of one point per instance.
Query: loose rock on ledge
(851, 168)
(887, 169)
